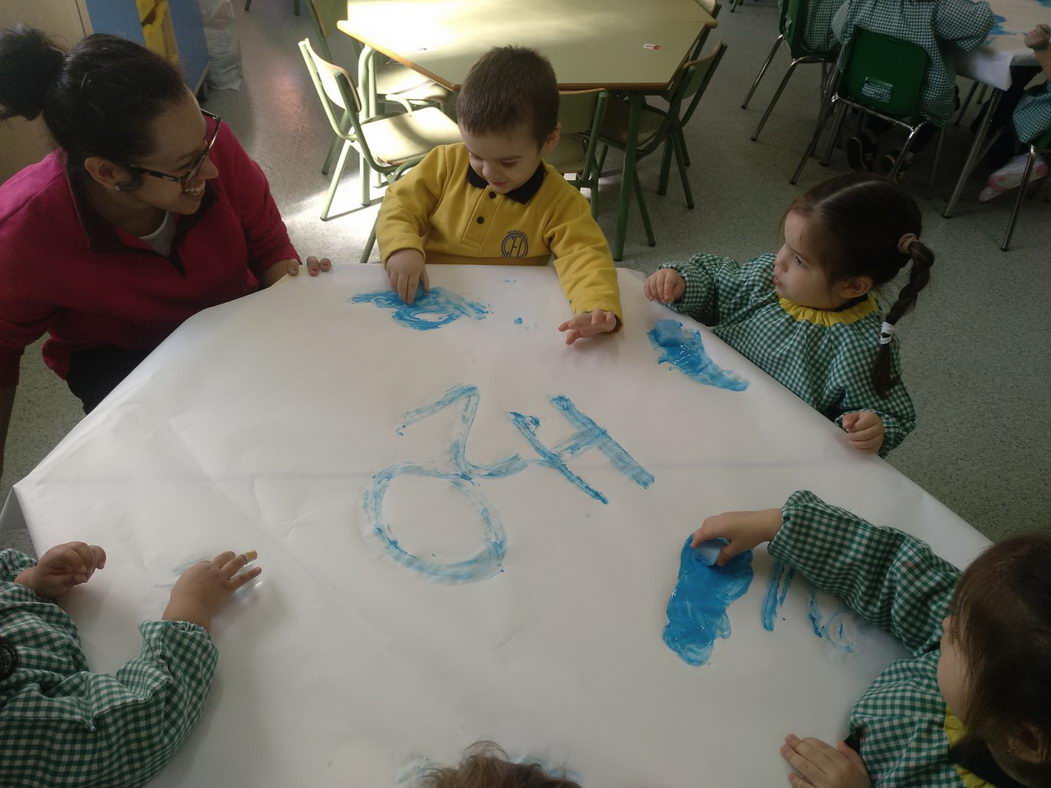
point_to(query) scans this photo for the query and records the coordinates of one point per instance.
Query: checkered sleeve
(12, 563)
(887, 577)
(964, 22)
(715, 287)
(114, 730)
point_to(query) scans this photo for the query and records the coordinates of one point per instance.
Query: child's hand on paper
(405, 271)
(821, 765)
(666, 285)
(588, 324)
(744, 530)
(203, 588)
(865, 430)
(61, 568)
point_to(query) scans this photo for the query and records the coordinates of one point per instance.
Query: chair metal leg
(626, 179)
(248, 5)
(680, 147)
(759, 76)
(773, 101)
(295, 7)
(341, 165)
(822, 118)
(662, 183)
(837, 124)
(966, 103)
(973, 154)
(601, 160)
(643, 210)
(333, 151)
(934, 164)
(893, 174)
(371, 242)
(364, 175)
(1022, 188)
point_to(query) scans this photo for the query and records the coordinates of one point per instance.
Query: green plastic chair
(580, 114)
(1041, 145)
(387, 144)
(877, 75)
(713, 8)
(657, 128)
(792, 25)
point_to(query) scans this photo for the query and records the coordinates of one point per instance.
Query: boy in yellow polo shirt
(492, 199)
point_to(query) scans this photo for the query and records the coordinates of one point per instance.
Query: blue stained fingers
(430, 310)
(683, 349)
(776, 590)
(697, 606)
(487, 562)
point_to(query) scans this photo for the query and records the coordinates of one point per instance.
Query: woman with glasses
(147, 212)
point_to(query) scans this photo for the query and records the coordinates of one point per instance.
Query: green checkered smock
(63, 725)
(823, 357)
(896, 583)
(941, 27)
(818, 35)
(1032, 116)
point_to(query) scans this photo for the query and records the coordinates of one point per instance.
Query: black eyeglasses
(195, 167)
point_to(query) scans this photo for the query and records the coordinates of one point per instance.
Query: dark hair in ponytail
(863, 219)
(97, 100)
(8, 658)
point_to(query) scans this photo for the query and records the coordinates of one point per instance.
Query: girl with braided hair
(807, 316)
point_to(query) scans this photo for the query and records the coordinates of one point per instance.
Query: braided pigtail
(883, 377)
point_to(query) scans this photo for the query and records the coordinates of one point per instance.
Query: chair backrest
(577, 110)
(711, 6)
(334, 87)
(883, 73)
(580, 114)
(694, 79)
(795, 17)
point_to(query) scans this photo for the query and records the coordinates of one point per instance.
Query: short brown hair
(485, 765)
(1002, 624)
(507, 88)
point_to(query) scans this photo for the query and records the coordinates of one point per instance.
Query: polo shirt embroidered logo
(515, 244)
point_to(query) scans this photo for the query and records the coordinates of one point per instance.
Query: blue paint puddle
(829, 628)
(776, 591)
(430, 310)
(518, 321)
(697, 606)
(682, 348)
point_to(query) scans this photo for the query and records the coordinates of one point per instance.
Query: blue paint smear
(430, 310)
(830, 628)
(518, 321)
(697, 606)
(588, 436)
(998, 28)
(683, 348)
(776, 590)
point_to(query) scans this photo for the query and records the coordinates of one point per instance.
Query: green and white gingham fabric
(941, 27)
(818, 35)
(896, 583)
(1032, 116)
(827, 366)
(61, 725)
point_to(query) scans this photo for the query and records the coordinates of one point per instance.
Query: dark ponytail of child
(869, 227)
(8, 658)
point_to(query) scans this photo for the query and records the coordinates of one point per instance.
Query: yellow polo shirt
(445, 210)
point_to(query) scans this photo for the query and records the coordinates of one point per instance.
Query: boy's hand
(61, 568)
(865, 430)
(665, 285)
(744, 530)
(1038, 38)
(405, 271)
(203, 588)
(821, 765)
(588, 324)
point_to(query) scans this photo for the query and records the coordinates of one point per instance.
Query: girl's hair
(8, 658)
(1001, 623)
(97, 100)
(862, 219)
(486, 765)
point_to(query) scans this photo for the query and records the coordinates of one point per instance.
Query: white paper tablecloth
(261, 424)
(1005, 47)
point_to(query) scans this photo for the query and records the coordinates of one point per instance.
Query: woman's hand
(821, 765)
(744, 530)
(61, 568)
(589, 324)
(406, 270)
(666, 285)
(203, 588)
(865, 430)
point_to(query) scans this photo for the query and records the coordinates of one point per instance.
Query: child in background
(493, 200)
(486, 765)
(808, 317)
(1030, 119)
(973, 702)
(62, 724)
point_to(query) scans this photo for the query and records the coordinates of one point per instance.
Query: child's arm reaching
(706, 287)
(64, 725)
(887, 577)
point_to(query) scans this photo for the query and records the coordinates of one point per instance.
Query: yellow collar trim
(954, 731)
(829, 317)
